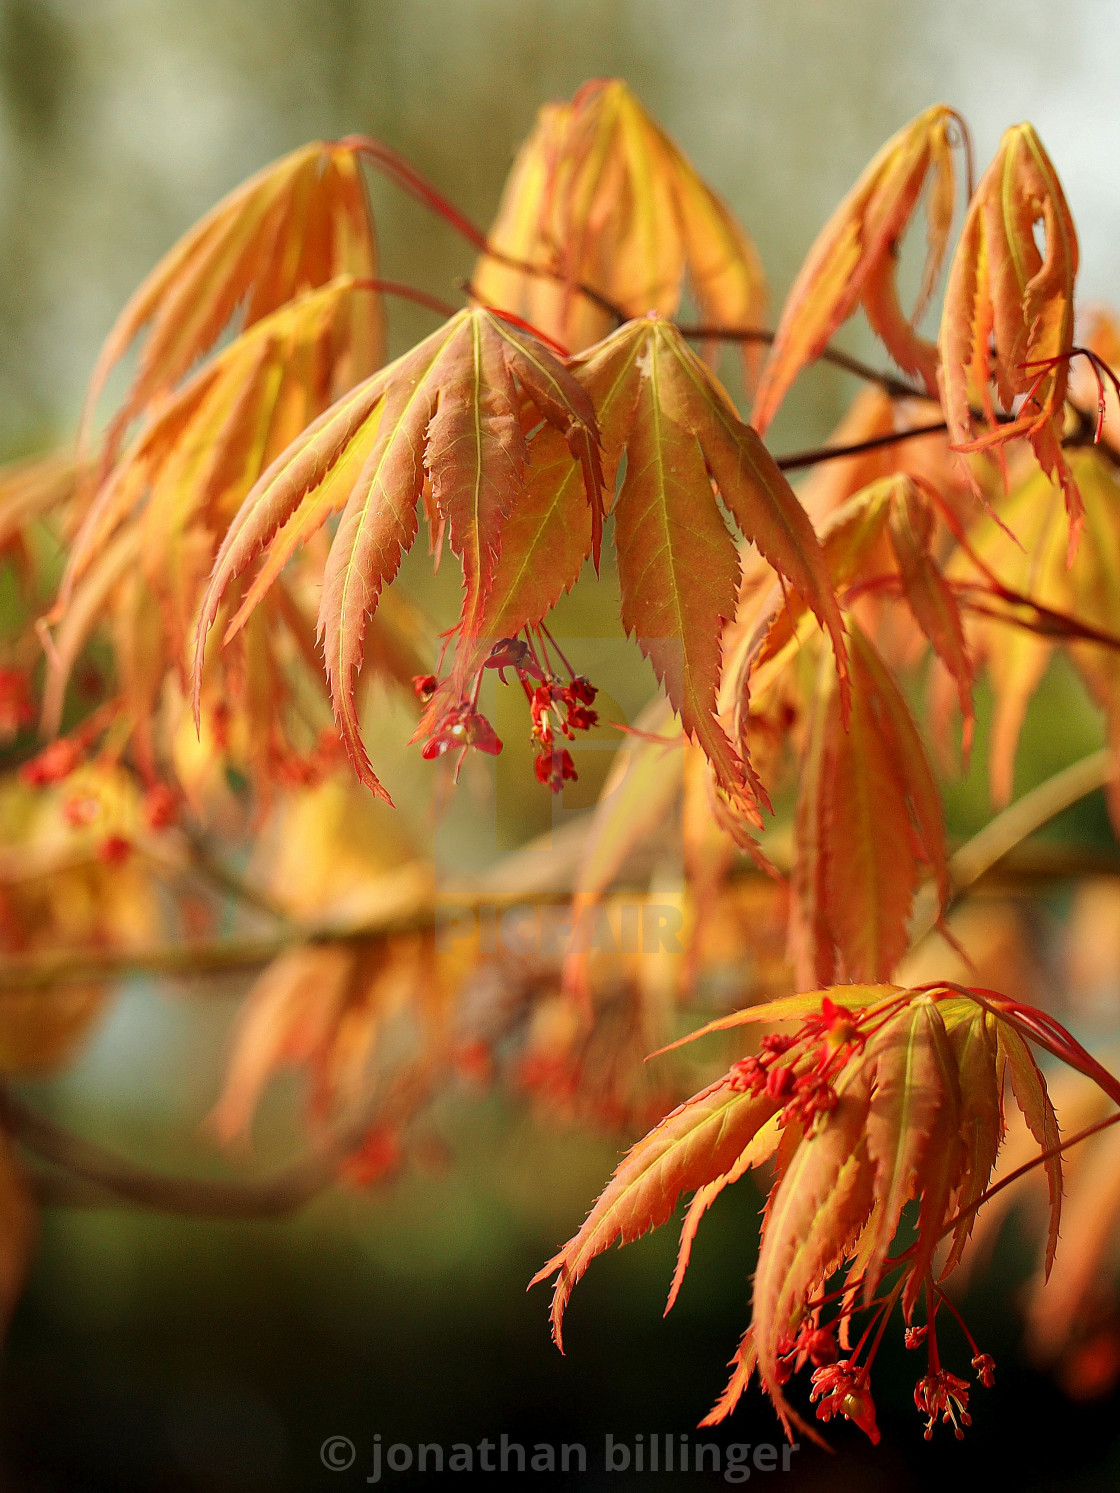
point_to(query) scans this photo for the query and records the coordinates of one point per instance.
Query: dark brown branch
(897, 388)
(820, 454)
(204, 958)
(1082, 436)
(82, 1173)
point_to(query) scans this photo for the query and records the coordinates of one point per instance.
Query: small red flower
(463, 727)
(540, 703)
(82, 809)
(161, 807)
(579, 718)
(16, 709)
(942, 1393)
(512, 653)
(815, 1345)
(555, 768)
(985, 1366)
(425, 686)
(843, 1390)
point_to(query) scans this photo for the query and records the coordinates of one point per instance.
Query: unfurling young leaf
(1008, 315)
(148, 538)
(601, 200)
(855, 256)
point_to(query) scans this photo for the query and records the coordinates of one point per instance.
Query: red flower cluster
(804, 1084)
(555, 709)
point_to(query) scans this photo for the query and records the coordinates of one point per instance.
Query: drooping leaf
(913, 1131)
(600, 197)
(1086, 591)
(981, 1127)
(1008, 315)
(697, 1143)
(446, 414)
(660, 407)
(930, 598)
(813, 1217)
(181, 480)
(296, 225)
(868, 816)
(1030, 1094)
(854, 258)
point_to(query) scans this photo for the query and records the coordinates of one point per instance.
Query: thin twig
(1027, 1167)
(818, 454)
(897, 388)
(1027, 815)
(1010, 829)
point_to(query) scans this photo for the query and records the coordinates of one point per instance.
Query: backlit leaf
(1008, 315)
(854, 259)
(446, 414)
(295, 225)
(600, 197)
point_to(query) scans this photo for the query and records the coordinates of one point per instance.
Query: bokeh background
(153, 1353)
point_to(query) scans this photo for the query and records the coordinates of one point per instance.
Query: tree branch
(92, 1176)
(897, 388)
(817, 454)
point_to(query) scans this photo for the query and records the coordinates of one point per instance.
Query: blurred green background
(151, 1353)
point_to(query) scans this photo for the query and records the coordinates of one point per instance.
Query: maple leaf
(660, 406)
(868, 813)
(443, 421)
(882, 1096)
(854, 259)
(295, 225)
(991, 569)
(1008, 313)
(1063, 1308)
(30, 490)
(600, 199)
(700, 1141)
(174, 490)
(877, 544)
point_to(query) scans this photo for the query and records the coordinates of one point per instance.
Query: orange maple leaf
(854, 260)
(600, 200)
(443, 422)
(1008, 315)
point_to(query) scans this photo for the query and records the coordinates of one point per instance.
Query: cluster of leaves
(234, 530)
(882, 1096)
